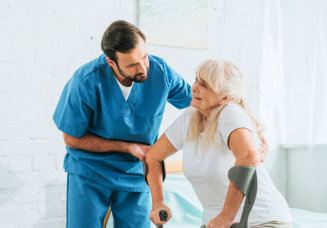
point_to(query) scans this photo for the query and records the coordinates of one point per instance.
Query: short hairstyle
(120, 36)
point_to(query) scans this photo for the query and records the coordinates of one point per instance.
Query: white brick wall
(42, 44)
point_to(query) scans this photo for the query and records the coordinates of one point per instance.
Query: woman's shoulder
(183, 119)
(186, 116)
(234, 115)
(233, 110)
(189, 111)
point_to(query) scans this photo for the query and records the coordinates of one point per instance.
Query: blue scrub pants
(88, 203)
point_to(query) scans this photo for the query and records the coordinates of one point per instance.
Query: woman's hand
(154, 215)
(220, 222)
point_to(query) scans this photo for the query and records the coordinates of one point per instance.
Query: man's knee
(131, 209)
(87, 202)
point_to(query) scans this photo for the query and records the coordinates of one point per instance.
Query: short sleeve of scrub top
(179, 90)
(74, 110)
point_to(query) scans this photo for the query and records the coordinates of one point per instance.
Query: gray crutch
(163, 214)
(245, 179)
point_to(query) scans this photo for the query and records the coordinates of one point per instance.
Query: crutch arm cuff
(241, 176)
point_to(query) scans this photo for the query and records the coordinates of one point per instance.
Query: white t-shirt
(124, 89)
(207, 170)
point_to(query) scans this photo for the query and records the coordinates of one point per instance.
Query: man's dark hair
(120, 36)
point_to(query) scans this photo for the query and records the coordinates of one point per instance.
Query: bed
(187, 210)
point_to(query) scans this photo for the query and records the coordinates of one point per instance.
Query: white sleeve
(233, 117)
(177, 131)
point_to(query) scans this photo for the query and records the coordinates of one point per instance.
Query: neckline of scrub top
(126, 106)
(125, 89)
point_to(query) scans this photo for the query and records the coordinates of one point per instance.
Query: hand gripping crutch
(163, 214)
(245, 178)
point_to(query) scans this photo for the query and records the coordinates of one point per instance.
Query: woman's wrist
(157, 202)
(226, 218)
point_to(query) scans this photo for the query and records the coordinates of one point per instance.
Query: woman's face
(204, 98)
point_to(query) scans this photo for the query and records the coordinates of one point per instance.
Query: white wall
(43, 43)
(306, 177)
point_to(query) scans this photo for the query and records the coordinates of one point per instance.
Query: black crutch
(163, 214)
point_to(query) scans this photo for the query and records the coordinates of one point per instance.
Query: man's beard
(136, 78)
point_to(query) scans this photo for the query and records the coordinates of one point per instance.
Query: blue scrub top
(93, 102)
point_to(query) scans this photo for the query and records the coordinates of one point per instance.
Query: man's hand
(138, 150)
(263, 149)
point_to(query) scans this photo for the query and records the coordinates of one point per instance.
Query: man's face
(134, 65)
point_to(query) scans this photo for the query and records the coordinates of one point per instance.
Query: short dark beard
(133, 78)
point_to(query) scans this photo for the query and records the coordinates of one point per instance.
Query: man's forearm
(95, 143)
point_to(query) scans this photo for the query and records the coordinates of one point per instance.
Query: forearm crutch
(245, 179)
(163, 214)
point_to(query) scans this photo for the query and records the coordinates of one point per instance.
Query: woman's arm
(157, 153)
(241, 142)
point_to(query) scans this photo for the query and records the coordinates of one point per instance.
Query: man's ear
(110, 62)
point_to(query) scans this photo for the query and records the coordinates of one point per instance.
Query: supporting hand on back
(263, 149)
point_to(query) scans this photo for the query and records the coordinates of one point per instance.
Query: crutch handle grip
(163, 215)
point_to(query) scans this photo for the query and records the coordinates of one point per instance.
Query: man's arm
(95, 143)
(180, 92)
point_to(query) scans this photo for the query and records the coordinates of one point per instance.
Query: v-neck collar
(126, 106)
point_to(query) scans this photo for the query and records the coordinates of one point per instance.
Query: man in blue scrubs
(110, 112)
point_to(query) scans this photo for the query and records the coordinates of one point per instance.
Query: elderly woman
(217, 133)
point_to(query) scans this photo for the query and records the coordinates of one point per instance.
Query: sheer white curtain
(293, 99)
(271, 91)
(305, 64)
(306, 103)
(317, 67)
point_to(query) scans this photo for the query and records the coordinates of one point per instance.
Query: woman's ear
(224, 100)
